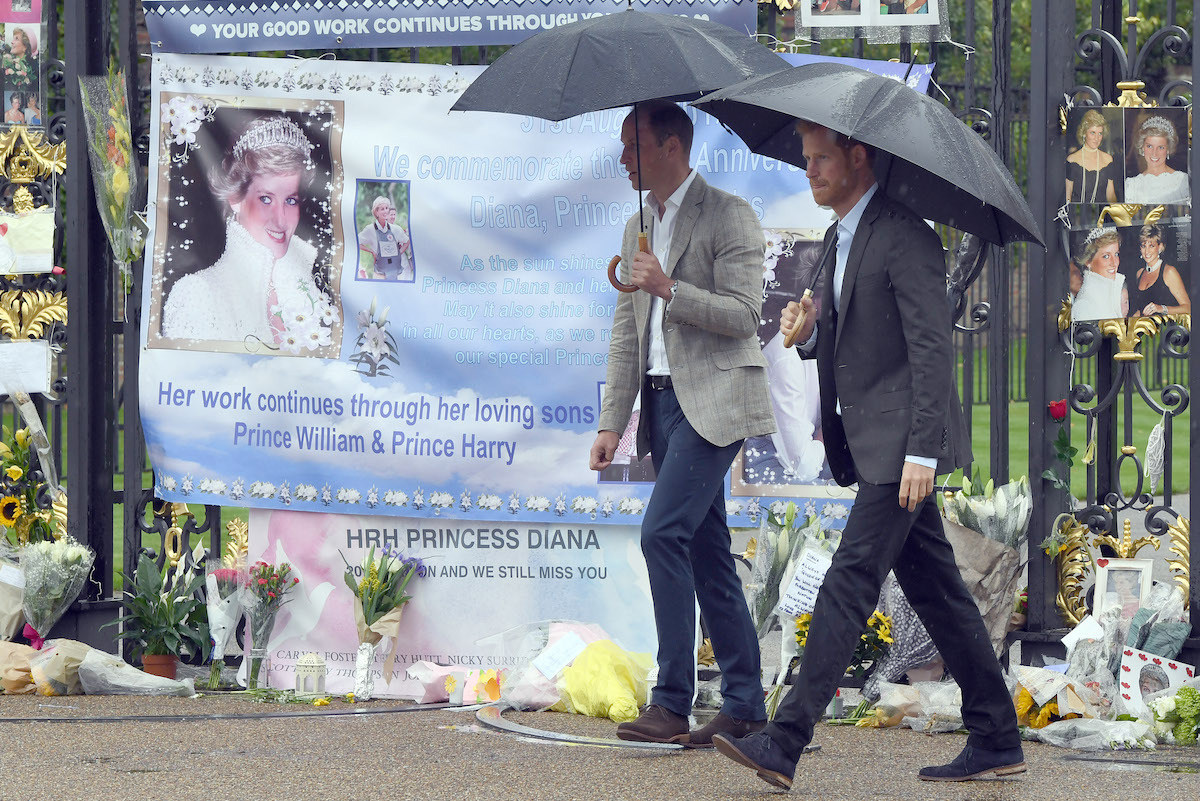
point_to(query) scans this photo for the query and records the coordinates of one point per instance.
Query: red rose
(1058, 409)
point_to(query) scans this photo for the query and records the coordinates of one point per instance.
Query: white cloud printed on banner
(452, 366)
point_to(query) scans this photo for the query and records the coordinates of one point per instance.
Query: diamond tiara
(1096, 233)
(272, 131)
(1158, 123)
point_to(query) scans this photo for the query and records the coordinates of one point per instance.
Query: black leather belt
(659, 381)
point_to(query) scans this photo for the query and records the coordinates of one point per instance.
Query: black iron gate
(1009, 343)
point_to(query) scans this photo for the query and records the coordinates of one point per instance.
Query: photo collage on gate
(23, 35)
(1129, 212)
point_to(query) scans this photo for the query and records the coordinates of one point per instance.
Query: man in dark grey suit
(687, 342)
(891, 421)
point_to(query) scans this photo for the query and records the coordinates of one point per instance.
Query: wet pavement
(228, 747)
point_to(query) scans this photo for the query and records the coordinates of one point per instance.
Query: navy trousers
(686, 544)
(881, 536)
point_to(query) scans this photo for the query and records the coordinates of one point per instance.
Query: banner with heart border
(248, 26)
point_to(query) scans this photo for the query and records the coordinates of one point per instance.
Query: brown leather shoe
(721, 724)
(656, 724)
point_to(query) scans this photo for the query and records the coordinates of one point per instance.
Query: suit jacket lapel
(685, 221)
(858, 247)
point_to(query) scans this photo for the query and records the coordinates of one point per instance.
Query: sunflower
(10, 509)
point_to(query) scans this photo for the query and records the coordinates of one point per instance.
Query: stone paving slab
(446, 754)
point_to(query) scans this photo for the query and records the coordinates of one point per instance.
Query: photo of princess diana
(261, 181)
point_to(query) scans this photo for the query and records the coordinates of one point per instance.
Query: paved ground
(382, 753)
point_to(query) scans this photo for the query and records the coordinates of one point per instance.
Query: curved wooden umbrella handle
(644, 247)
(790, 339)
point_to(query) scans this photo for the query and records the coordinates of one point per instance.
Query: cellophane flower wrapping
(223, 599)
(380, 587)
(778, 548)
(55, 572)
(1000, 514)
(110, 151)
(267, 589)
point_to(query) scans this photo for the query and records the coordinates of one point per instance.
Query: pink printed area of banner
(594, 575)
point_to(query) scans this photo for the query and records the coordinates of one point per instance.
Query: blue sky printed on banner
(529, 425)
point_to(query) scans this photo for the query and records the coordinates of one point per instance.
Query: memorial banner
(236, 26)
(357, 301)
(586, 573)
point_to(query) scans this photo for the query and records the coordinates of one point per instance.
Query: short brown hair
(1151, 231)
(667, 119)
(844, 142)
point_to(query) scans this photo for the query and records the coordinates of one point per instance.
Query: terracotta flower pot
(160, 664)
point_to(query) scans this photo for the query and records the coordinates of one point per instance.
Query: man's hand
(647, 274)
(916, 482)
(792, 312)
(603, 449)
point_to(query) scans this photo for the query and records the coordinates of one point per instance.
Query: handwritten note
(554, 658)
(801, 594)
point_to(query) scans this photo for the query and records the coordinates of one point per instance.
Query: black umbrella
(616, 60)
(938, 166)
(613, 61)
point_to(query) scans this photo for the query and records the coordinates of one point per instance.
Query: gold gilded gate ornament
(25, 157)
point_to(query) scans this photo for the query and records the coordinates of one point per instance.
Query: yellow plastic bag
(605, 681)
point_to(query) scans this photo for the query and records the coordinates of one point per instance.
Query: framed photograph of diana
(245, 241)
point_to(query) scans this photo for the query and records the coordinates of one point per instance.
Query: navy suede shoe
(976, 763)
(760, 753)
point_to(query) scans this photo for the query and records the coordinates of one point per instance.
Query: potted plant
(159, 615)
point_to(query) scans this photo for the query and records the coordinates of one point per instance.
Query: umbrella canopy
(616, 60)
(932, 161)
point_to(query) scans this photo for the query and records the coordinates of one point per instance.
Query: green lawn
(1018, 444)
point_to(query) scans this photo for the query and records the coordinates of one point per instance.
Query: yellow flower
(10, 508)
(1042, 718)
(14, 472)
(5, 451)
(802, 629)
(22, 437)
(120, 182)
(321, 702)
(350, 698)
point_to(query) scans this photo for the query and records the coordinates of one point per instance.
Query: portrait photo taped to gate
(1135, 270)
(246, 260)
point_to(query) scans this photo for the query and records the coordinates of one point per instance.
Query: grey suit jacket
(889, 358)
(709, 328)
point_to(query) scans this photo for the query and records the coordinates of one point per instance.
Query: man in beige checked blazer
(688, 342)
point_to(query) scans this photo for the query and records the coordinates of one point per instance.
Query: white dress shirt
(660, 244)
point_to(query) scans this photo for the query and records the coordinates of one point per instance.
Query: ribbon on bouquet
(36, 641)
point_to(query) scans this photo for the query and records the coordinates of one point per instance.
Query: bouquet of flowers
(873, 644)
(998, 513)
(106, 117)
(55, 571)
(267, 587)
(777, 549)
(19, 512)
(224, 603)
(381, 597)
(1176, 717)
